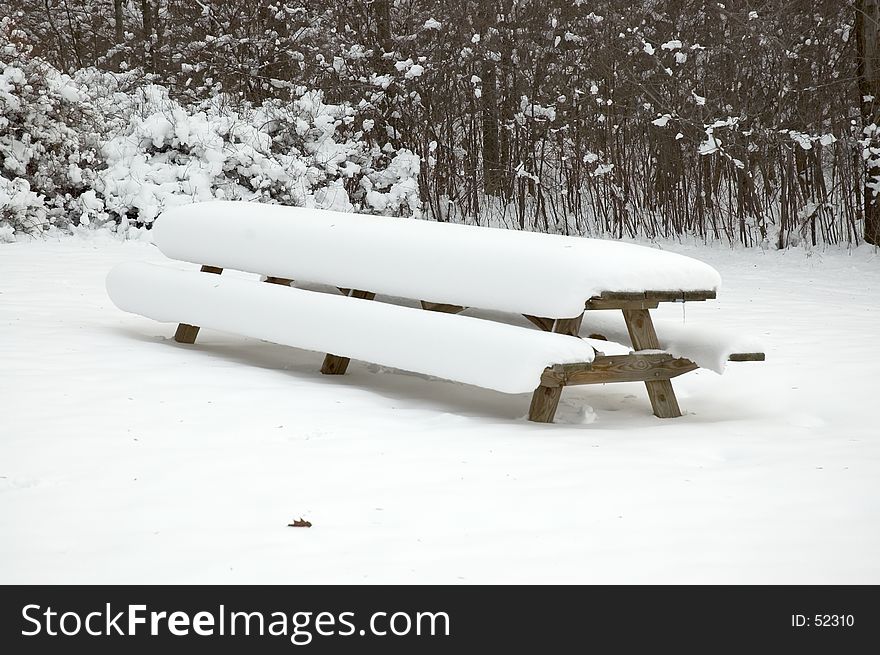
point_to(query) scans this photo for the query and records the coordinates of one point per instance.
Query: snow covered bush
(296, 153)
(46, 160)
(97, 147)
(871, 156)
(20, 208)
(400, 179)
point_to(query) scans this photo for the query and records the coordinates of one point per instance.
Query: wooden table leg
(187, 333)
(545, 324)
(644, 337)
(281, 281)
(545, 399)
(334, 364)
(441, 307)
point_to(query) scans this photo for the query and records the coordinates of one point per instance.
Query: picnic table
(553, 281)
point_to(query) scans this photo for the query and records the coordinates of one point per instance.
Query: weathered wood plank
(658, 295)
(545, 399)
(635, 367)
(622, 295)
(283, 281)
(698, 295)
(663, 400)
(542, 322)
(746, 357)
(611, 303)
(641, 329)
(334, 364)
(186, 333)
(569, 326)
(441, 307)
(618, 368)
(556, 376)
(644, 337)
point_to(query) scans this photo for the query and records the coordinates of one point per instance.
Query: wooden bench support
(441, 307)
(747, 357)
(545, 399)
(658, 296)
(568, 326)
(187, 333)
(644, 299)
(644, 337)
(651, 369)
(543, 323)
(635, 367)
(611, 303)
(283, 281)
(334, 364)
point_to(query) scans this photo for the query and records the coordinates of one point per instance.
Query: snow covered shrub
(20, 208)
(167, 155)
(296, 153)
(95, 147)
(871, 156)
(351, 175)
(400, 178)
(45, 163)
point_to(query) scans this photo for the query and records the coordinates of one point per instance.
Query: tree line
(744, 121)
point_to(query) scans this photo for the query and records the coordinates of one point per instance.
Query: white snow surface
(475, 351)
(495, 269)
(128, 458)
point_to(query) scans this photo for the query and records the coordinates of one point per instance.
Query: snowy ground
(127, 458)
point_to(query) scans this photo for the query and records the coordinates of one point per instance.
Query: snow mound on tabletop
(470, 350)
(503, 270)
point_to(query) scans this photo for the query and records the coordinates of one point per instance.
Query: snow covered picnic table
(549, 279)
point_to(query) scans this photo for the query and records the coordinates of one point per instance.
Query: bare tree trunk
(867, 35)
(489, 110)
(120, 25)
(74, 36)
(156, 48)
(62, 50)
(383, 23)
(382, 16)
(147, 15)
(490, 122)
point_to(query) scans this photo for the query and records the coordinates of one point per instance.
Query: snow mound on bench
(707, 348)
(503, 270)
(470, 350)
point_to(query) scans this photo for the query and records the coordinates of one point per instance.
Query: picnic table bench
(551, 280)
